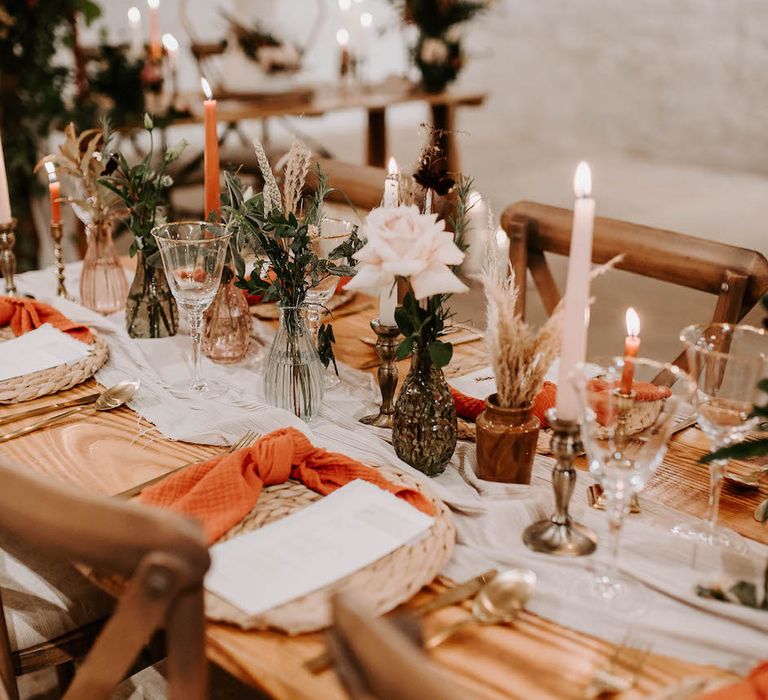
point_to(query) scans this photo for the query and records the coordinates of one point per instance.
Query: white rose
(402, 242)
(434, 51)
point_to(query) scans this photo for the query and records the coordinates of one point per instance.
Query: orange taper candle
(155, 47)
(631, 346)
(211, 159)
(54, 187)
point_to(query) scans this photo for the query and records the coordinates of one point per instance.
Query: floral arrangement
(278, 228)
(259, 44)
(438, 53)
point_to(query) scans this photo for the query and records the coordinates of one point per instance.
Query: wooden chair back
(162, 556)
(376, 661)
(359, 185)
(737, 277)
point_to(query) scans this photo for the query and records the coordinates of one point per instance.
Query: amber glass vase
(227, 323)
(150, 311)
(103, 285)
(424, 430)
(506, 442)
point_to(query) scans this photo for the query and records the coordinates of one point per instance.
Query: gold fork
(245, 440)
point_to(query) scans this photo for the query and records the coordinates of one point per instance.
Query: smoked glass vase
(424, 430)
(227, 323)
(103, 285)
(150, 311)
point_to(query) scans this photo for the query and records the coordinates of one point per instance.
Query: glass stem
(716, 471)
(195, 330)
(612, 560)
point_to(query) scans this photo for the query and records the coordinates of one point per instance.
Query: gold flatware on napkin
(245, 440)
(454, 595)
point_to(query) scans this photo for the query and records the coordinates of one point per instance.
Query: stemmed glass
(333, 232)
(193, 255)
(625, 436)
(727, 361)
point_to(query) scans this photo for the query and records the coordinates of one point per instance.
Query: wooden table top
(534, 658)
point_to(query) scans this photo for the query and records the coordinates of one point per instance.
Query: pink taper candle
(5, 201)
(388, 296)
(576, 305)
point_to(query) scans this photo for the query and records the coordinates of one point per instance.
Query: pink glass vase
(103, 284)
(227, 323)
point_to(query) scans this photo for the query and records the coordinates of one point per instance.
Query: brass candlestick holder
(7, 258)
(624, 404)
(385, 348)
(57, 234)
(559, 534)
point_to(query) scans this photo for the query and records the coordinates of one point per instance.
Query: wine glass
(625, 436)
(727, 361)
(193, 255)
(333, 232)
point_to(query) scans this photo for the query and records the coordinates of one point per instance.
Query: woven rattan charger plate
(383, 585)
(54, 379)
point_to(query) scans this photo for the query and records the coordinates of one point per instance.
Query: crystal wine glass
(727, 361)
(333, 232)
(626, 437)
(193, 255)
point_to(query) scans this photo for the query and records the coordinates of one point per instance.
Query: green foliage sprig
(422, 328)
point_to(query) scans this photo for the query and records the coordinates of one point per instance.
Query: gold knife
(454, 595)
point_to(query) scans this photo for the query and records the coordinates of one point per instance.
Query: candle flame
(206, 89)
(366, 19)
(582, 180)
(50, 168)
(633, 323)
(170, 42)
(134, 15)
(392, 167)
(153, 4)
(342, 36)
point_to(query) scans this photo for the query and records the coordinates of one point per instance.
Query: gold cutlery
(349, 312)
(684, 424)
(113, 397)
(622, 669)
(498, 602)
(761, 512)
(89, 398)
(454, 595)
(596, 499)
(749, 481)
(245, 440)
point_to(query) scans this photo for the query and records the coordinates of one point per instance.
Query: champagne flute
(193, 255)
(626, 438)
(727, 361)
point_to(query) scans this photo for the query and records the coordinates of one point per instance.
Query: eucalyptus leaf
(440, 353)
(745, 593)
(404, 348)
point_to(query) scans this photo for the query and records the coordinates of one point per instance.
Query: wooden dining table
(106, 453)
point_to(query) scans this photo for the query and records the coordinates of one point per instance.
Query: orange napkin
(222, 491)
(470, 408)
(26, 314)
(753, 687)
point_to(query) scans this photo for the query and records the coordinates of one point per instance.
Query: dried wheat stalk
(295, 175)
(271, 191)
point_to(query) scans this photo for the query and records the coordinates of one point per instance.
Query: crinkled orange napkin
(753, 687)
(223, 490)
(470, 408)
(25, 315)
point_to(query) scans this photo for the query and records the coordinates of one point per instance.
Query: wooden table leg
(377, 137)
(444, 121)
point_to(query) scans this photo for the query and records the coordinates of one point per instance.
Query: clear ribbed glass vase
(103, 285)
(293, 374)
(150, 311)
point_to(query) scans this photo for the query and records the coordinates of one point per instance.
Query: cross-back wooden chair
(361, 185)
(377, 661)
(738, 277)
(163, 558)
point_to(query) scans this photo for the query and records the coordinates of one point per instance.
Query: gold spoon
(748, 481)
(113, 397)
(499, 601)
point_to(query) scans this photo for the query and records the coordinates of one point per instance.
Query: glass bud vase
(424, 430)
(294, 375)
(150, 311)
(227, 323)
(103, 285)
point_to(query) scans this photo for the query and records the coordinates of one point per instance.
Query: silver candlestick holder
(559, 534)
(57, 235)
(386, 347)
(7, 257)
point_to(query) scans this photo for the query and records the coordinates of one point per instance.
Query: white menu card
(39, 349)
(326, 541)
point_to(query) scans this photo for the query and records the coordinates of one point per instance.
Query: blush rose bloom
(402, 242)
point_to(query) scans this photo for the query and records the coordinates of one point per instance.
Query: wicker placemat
(270, 312)
(49, 381)
(383, 585)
